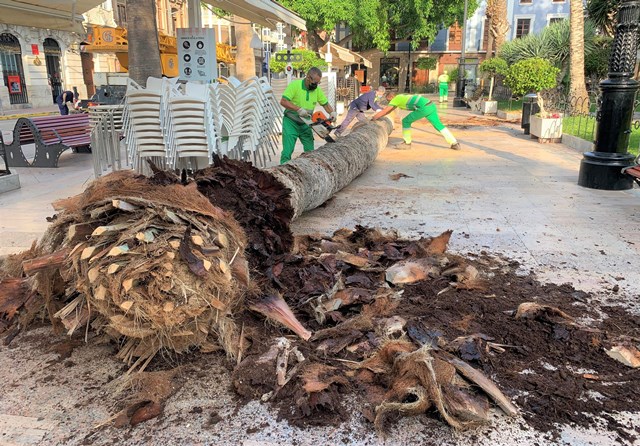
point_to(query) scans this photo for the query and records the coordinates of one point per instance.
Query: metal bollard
(529, 107)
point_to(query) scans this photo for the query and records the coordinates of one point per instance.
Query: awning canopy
(263, 12)
(48, 14)
(342, 56)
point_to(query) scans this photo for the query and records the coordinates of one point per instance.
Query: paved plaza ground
(502, 193)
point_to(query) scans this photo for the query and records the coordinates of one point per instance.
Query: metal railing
(579, 113)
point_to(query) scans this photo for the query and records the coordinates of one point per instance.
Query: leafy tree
(309, 59)
(453, 74)
(372, 22)
(427, 63)
(531, 76)
(492, 67)
(321, 15)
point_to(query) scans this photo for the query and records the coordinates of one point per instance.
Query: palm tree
(245, 59)
(603, 14)
(577, 86)
(142, 35)
(499, 22)
(490, 13)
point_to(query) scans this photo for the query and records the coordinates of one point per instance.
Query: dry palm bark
(577, 86)
(153, 263)
(499, 23)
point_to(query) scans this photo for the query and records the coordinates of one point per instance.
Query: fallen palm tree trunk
(316, 176)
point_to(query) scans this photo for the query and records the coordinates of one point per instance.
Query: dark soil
(553, 368)
(556, 371)
(257, 201)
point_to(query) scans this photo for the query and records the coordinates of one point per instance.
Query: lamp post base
(458, 102)
(601, 170)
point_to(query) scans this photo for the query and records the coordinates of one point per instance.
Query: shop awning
(342, 56)
(48, 14)
(263, 12)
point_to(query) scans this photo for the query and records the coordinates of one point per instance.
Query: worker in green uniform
(443, 83)
(299, 99)
(420, 107)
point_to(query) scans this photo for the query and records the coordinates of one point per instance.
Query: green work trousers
(424, 109)
(291, 131)
(444, 89)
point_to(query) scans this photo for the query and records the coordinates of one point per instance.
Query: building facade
(37, 64)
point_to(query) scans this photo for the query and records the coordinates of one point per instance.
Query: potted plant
(492, 67)
(546, 126)
(532, 76)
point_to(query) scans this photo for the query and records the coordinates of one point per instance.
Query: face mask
(313, 85)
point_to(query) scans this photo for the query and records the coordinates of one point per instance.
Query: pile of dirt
(477, 121)
(544, 345)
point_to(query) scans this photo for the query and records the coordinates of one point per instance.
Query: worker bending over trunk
(359, 105)
(420, 107)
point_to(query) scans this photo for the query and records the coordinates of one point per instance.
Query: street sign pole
(289, 58)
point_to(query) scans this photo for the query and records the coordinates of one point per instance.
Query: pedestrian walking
(443, 83)
(420, 107)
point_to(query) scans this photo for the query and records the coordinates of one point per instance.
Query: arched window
(12, 72)
(52, 54)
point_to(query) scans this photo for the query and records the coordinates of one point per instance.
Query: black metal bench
(3, 157)
(51, 135)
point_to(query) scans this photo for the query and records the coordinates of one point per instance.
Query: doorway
(52, 55)
(12, 72)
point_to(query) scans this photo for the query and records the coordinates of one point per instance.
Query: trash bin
(529, 107)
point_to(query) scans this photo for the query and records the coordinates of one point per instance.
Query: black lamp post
(601, 169)
(462, 73)
(407, 84)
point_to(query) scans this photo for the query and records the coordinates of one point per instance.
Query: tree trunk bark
(577, 86)
(245, 60)
(316, 176)
(490, 13)
(500, 23)
(316, 41)
(142, 35)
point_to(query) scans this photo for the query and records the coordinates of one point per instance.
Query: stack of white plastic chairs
(185, 125)
(190, 124)
(106, 129)
(146, 122)
(250, 119)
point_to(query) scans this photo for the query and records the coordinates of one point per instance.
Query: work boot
(455, 146)
(403, 146)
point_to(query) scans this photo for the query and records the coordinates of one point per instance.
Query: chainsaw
(321, 125)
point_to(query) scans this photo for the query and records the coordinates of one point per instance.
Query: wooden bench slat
(51, 135)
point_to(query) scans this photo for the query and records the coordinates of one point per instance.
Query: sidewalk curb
(26, 115)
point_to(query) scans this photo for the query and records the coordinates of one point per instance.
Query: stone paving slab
(22, 431)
